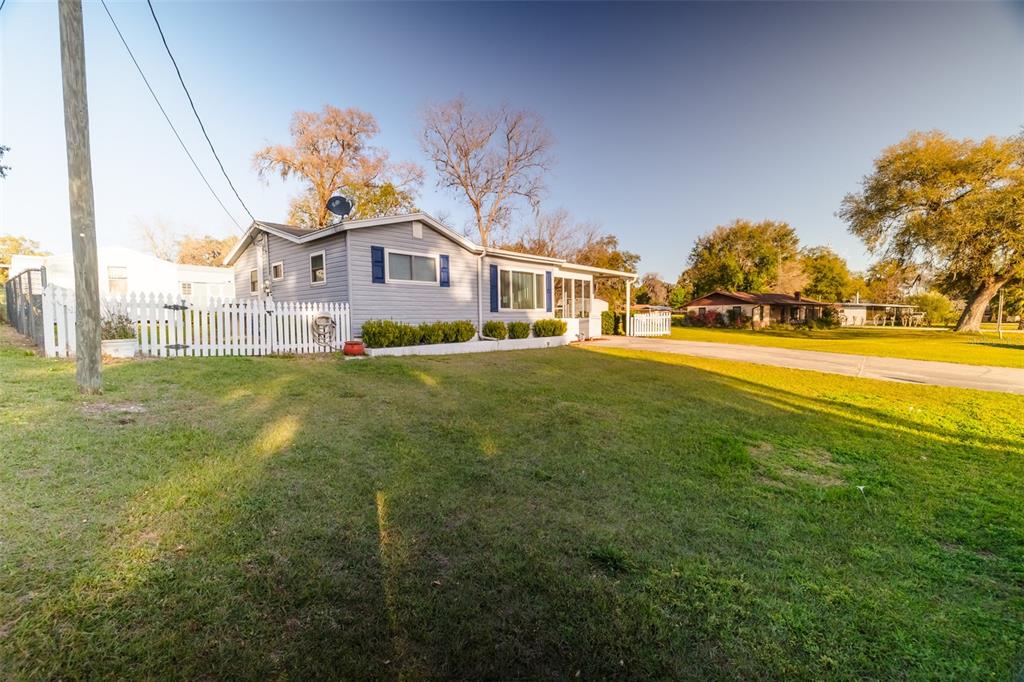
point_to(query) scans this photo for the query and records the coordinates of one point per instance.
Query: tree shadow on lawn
(533, 515)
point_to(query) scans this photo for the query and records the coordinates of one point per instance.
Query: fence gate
(657, 323)
(24, 304)
(167, 326)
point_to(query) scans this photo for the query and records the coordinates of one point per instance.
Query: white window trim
(281, 263)
(256, 272)
(311, 257)
(181, 288)
(543, 293)
(387, 267)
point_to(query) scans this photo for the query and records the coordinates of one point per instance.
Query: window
(186, 288)
(701, 311)
(409, 267)
(518, 290)
(737, 310)
(117, 279)
(254, 282)
(317, 268)
(277, 271)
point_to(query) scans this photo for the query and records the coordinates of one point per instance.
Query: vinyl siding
(246, 262)
(406, 301)
(296, 285)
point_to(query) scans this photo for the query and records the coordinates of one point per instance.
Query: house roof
(756, 299)
(302, 235)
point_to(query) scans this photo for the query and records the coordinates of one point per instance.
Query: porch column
(629, 295)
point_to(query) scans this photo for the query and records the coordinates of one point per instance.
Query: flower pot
(354, 348)
(119, 348)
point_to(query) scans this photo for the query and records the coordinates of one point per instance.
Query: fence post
(49, 342)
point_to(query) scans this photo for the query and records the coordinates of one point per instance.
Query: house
(762, 309)
(412, 268)
(123, 270)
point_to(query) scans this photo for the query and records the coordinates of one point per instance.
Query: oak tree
(953, 206)
(741, 256)
(331, 152)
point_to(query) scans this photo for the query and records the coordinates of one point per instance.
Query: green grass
(915, 344)
(509, 515)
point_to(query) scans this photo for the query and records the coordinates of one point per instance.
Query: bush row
(613, 323)
(496, 329)
(392, 334)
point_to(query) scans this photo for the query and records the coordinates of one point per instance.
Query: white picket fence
(656, 323)
(167, 326)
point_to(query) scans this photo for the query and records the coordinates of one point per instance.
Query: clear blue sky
(669, 118)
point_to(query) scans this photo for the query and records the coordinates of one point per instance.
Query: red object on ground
(354, 348)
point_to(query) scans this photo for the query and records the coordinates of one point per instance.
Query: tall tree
(331, 152)
(741, 256)
(653, 290)
(828, 277)
(158, 238)
(204, 250)
(3, 169)
(489, 158)
(890, 281)
(11, 245)
(955, 206)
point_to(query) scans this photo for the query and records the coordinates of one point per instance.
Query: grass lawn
(534, 514)
(917, 344)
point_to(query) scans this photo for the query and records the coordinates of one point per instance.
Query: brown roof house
(762, 309)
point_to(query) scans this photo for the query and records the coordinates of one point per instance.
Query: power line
(194, 111)
(164, 112)
(2, 3)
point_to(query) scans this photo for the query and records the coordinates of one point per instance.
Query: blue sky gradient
(669, 118)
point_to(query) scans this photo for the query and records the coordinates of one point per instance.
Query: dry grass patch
(813, 466)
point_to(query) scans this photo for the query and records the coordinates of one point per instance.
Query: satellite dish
(339, 206)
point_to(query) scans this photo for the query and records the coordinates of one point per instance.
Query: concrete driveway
(985, 378)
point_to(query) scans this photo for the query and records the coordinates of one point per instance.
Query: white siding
(407, 301)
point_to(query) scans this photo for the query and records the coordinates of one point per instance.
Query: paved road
(985, 378)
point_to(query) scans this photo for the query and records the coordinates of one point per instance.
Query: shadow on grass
(533, 515)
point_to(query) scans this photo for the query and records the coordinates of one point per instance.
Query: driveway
(1002, 379)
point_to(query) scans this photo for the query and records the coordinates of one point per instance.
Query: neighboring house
(762, 309)
(413, 269)
(124, 270)
(857, 313)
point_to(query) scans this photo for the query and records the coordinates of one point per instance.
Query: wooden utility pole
(83, 216)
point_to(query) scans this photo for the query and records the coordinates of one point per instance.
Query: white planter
(120, 348)
(472, 346)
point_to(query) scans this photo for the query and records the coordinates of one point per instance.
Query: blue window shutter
(445, 272)
(494, 288)
(547, 286)
(377, 261)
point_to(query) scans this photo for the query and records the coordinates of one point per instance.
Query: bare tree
(555, 234)
(158, 238)
(491, 157)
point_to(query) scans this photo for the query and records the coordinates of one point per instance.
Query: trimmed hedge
(391, 334)
(518, 330)
(549, 327)
(495, 329)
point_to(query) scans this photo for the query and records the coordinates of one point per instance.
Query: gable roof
(303, 235)
(755, 299)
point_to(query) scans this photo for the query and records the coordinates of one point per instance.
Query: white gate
(657, 323)
(168, 327)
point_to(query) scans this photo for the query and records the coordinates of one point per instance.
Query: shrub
(608, 322)
(389, 334)
(549, 327)
(518, 330)
(117, 326)
(458, 331)
(431, 332)
(495, 329)
(937, 309)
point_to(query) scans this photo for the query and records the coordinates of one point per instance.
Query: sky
(669, 119)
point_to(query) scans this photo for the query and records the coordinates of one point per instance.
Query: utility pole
(83, 215)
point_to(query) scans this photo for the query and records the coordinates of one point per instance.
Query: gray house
(411, 268)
